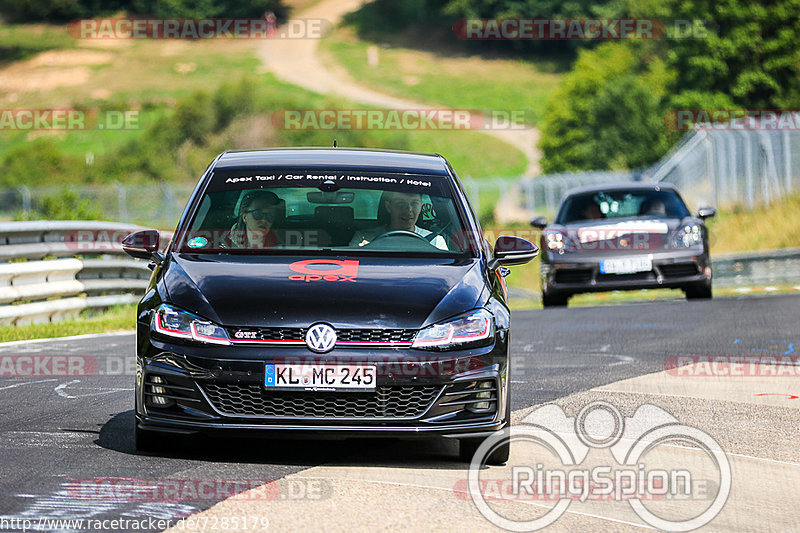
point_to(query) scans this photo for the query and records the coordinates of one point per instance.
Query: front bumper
(190, 389)
(572, 273)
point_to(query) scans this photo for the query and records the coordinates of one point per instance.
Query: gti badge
(321, 338)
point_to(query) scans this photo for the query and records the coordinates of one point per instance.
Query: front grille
(636, 276)
(375, 335)
(295, 335)
(384, 402)
(574, 276)
(679, 270)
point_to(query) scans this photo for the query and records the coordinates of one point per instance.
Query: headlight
(555, 240)
(687, 236)
(472, 327)
(174, 322)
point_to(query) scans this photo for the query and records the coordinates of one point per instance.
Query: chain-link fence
(157, 205)
(160, 205)
(733, 167)
(719, 168)
(542, 195)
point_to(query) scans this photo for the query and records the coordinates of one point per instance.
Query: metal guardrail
(50, 270)
(761, 268)
(53, 269)
(750, 269)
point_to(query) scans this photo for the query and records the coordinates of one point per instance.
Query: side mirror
(539, 222)
(143, 245)
(706, 212)
(509, 250)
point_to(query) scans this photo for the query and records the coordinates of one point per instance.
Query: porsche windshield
(247, 212)
(621, 204)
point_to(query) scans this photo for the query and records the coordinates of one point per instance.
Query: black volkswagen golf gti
(326, 292)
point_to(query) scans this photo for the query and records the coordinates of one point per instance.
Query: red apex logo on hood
(324, 270)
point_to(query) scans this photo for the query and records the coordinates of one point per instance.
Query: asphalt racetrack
(67, 443)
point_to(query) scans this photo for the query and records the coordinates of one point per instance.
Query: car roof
(360, 159)
(623, 186)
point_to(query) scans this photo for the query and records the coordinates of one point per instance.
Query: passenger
(591, 211)
(403, 210)
(653, 208)
(253, 227)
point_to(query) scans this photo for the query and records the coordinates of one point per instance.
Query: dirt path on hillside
(297, 61)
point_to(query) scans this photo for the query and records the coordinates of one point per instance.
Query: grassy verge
(120, 318)
(764, 228)
(461, 82)
(151, 76)
(19, 42)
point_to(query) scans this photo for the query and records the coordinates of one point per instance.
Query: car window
(603, 205)
(246, 212)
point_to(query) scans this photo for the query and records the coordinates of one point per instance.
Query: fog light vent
(158, 396)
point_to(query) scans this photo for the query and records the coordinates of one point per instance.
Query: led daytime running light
(195, 323)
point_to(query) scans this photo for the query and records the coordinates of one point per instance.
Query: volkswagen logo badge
(321, 338)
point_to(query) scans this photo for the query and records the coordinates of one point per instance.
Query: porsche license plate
(627, 265)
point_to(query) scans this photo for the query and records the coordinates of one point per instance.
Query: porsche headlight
(174, 322)
(689, 235)
(473, 327)
(555, 240)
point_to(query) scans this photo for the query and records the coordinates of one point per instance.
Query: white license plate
(627, 265)
(319, 377)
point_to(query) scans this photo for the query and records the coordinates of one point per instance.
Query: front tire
(499, 455)
(554, 300)
(148, 441)
(699, 291)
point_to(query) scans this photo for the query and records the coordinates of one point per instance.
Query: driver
(403, 209)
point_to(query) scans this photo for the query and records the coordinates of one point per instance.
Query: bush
(37, 162)
(232, 100)
(64, 205)
(608, 112)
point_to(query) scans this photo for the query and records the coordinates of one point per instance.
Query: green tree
(608, 113)
(40, 161)
(751, 55)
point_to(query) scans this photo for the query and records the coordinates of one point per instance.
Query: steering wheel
(398, 233)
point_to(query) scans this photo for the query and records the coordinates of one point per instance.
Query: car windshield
(275, 212)
(604, 205)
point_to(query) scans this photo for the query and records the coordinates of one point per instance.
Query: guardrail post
(122, 204)
(25, 192)
(748, 173)
(787, 161)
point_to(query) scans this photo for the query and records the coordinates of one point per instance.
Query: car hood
(243, 290)
(620, 235)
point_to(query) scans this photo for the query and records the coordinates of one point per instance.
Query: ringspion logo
(636, 467)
